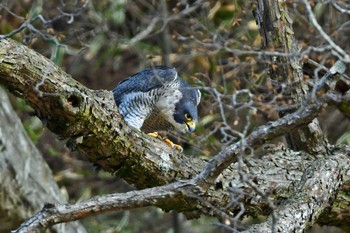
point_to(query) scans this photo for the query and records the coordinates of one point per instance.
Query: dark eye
(188, 117)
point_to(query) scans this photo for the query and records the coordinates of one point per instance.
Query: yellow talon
(166, 140)
(178, 147)
(154, 134)
(172, 145)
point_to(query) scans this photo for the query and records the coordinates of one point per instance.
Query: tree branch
(89, 121)
(314, 191)
(57, 213)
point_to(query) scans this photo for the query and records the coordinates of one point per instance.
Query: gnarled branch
(90, 122)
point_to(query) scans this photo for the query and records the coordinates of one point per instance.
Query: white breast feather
(133, 111)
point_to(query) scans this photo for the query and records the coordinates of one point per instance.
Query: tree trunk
(26, 182)
(275, 27)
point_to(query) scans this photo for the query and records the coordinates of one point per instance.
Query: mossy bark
(90, 123)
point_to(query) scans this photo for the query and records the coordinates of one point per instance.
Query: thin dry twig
(341, 54)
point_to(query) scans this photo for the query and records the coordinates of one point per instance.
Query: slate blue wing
(144, 81)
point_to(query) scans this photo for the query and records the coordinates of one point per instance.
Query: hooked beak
(191, 126)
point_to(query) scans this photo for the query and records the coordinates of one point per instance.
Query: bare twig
(150, 29)
(339, 8)
(341, 54)
(28, 23)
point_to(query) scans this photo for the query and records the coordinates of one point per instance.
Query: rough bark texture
(26, 182)
(318, 181)
(89, 121)
(278, 35)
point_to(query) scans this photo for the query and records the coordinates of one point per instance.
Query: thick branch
(90, 122)
(311, 195)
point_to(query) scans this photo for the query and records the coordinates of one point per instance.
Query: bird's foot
(172, 145)
(155, 135)
(166, 140)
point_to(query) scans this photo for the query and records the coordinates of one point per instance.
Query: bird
(158, 99)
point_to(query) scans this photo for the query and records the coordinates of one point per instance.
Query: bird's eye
(188, 117)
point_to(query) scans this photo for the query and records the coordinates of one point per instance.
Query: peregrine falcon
(158, 99)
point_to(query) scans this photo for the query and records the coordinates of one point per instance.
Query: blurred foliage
(214, 45)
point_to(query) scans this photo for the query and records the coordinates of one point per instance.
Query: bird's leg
(166, 140)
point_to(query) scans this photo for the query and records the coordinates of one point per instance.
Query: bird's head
(186, 114)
